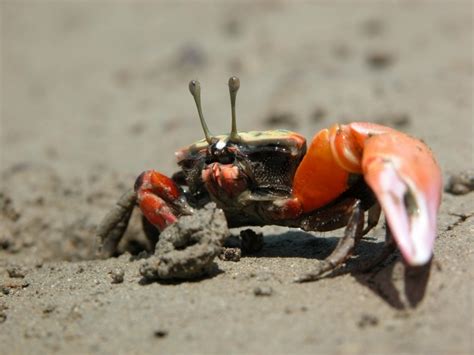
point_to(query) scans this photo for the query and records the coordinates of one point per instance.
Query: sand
(93, 93)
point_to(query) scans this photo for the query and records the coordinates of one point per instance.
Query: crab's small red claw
(406, 180)
(230, 180)
(160, 199)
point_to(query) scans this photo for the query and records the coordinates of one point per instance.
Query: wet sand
(92, 94)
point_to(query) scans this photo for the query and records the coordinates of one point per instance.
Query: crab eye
(234, 85)
(195, 89)
(219, 152)
(220, 144)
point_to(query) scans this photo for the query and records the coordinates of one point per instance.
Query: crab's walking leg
(373, 217)
(352, 234)
(160, 199)
(115, 223)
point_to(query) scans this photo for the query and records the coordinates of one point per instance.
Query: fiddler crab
(271, 178)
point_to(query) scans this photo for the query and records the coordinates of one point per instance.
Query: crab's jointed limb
(115, 223)
(160, 199)
(400, 170)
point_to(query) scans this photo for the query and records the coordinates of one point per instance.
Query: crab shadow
(399, 285)
(213, 272)
(396, 283)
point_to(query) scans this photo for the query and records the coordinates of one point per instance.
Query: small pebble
(380, 59)
(5, 242)
(16, 272)
(49, 309)
(367, 320)
(231, 254)
(263, 291)
(461, 183)
(160, 333)
(117, 275)
(252, 242)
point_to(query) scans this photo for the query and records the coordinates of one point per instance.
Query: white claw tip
(413, 230)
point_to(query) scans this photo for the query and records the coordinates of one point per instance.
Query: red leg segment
(159, 199)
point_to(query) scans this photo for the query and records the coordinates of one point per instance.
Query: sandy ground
(93, 93)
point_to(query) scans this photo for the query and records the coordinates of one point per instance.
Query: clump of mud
(45, 217)
(461, 183)
(187, 249)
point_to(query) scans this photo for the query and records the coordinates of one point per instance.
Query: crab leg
(160, 199)
(352, 234)
(115, 223)
(404, 176)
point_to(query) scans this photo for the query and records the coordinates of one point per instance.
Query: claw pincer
(400, 170)
(157, 197)
(406, 179)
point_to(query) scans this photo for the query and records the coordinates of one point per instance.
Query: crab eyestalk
(234, 85)
(195, 89)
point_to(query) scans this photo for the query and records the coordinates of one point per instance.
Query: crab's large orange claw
(400, 170)
(405, 178)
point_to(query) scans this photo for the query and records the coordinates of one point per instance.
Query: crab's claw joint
(406, 180)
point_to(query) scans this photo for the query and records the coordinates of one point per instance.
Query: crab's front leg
(400, 170)
(160, 200)
(114, 224)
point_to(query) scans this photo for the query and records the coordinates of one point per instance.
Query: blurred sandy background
(93, 93)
